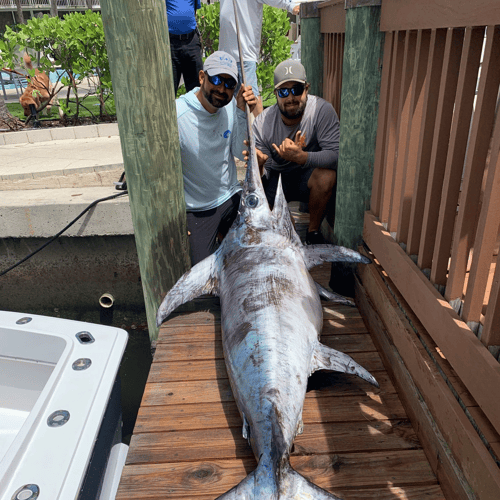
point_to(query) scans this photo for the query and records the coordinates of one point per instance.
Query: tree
(73, 47)
(53, 8)
(19, 12)
(7, 121)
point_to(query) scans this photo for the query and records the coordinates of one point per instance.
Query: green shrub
(74, 45)
(274, 47)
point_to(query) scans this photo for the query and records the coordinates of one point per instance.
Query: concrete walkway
(48, 176)
(58, 149)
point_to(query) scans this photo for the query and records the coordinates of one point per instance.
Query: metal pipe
(106, 300)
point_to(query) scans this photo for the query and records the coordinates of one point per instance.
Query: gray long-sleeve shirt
(321, 127)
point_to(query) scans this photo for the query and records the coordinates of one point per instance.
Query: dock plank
(178, 333)
(333, 472)
(210, 391)
(207, 369)
(196, 445)
(178, 351)
(225, 414)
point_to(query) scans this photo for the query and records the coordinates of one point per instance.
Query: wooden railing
(333, 29)
(435, 206)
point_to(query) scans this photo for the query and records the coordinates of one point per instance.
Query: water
(53, 76)
(136, 361)
(134, 370)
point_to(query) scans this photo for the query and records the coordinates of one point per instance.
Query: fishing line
(240, 52)
(93, 204)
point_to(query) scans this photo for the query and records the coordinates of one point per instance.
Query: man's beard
(292, 114)
(216, 103)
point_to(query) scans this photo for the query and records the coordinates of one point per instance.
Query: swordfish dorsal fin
(314, 255)
(282, 215)
(325, 358)
(199, 280)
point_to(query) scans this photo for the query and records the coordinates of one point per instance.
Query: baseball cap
(289, 71)
(221, 62)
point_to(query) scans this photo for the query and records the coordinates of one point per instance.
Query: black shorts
(294, 184)
(205, 226)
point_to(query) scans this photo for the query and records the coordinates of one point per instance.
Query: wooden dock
(358, 442)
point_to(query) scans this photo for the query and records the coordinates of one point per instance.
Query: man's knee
(322, 181)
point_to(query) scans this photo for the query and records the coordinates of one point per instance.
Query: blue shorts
(250, 68)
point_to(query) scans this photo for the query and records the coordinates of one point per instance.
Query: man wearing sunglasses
(298, 138)
(212, 128)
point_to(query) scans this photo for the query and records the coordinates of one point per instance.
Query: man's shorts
(250, 68)
(294, 184)
(205, 226)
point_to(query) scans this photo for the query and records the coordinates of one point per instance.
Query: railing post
(358, 128)
(139, 55)
(312, 46)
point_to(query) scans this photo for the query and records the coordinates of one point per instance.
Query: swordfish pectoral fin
(326, 358)
(314, 255)
(334, 297)
(199, 280)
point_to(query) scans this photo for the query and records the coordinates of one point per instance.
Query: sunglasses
(229, 83)
(296, 90)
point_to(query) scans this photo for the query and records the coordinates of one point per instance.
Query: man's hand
(293, 150)
(246, 96)
(296, 10)
(261, 158)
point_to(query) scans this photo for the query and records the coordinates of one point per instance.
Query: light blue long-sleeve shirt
(209, 142)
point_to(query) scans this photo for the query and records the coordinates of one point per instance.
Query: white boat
(60, 413)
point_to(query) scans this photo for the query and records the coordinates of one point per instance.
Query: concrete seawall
(47, 178)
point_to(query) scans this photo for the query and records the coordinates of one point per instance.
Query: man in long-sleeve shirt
(185, 45)
(250, 23)
(212, 128)
(298, 138)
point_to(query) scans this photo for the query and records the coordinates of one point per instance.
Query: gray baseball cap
(289, 71)
(221, 62)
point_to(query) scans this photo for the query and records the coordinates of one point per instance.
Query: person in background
(212, 128)
(298, 138)
(250, 23)
(185, 44)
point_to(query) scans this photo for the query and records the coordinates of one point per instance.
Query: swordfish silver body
(271, 323)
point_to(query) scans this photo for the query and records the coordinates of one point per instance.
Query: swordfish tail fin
(287, 485)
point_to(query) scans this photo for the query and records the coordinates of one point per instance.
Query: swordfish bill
(271, 319)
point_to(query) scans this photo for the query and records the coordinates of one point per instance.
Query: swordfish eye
(251, 201)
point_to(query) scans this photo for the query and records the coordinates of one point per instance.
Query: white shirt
(250, 22)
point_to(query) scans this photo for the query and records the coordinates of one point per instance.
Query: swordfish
(271, 319)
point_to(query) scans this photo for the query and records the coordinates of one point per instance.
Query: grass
(91, 102)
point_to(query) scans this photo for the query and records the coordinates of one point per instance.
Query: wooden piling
(358, 127)
(358, 130)
(139, 54)
(312, 46)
